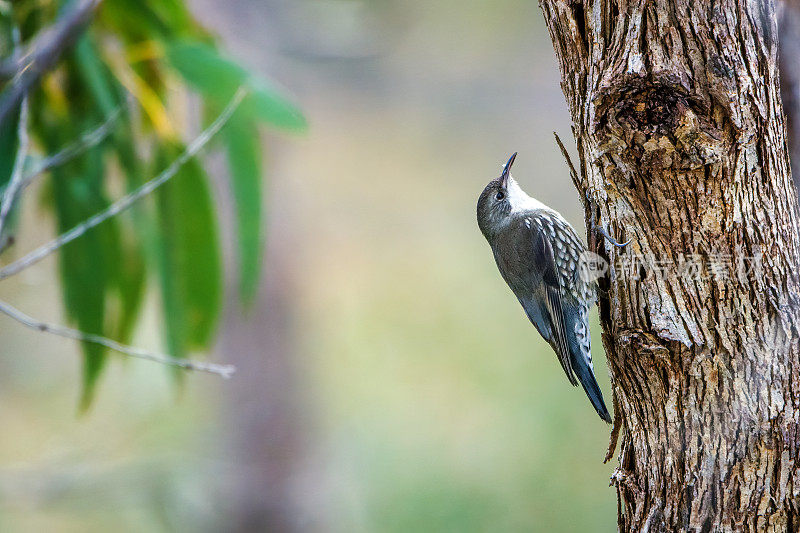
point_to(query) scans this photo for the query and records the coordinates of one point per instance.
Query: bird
(538, 254)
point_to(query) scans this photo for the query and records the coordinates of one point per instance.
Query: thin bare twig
(578, 180)
(87, 140)
(126, 201)
(44, 53)
(199, 366)
(15, 181)
(572, 172)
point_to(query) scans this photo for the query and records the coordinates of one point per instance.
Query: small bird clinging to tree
(538, 254)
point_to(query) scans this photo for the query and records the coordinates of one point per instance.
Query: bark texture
(677, 116)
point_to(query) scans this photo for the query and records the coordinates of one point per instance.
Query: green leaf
(106, 95)
(217, 78)
(95, 75)
(141, 20)
(173, 14)
(142, 216)
(8, 146)
(267, 104)
(88, 264)
(190, 267)
(244, 160)
(203, 68)
(130, 288)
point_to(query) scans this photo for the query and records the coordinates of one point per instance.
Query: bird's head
(501, 198)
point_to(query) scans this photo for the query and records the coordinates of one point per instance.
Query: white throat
(520, 202)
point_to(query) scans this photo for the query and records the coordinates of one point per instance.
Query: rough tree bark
(677, 116)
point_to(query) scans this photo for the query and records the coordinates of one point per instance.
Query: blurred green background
(388, 379)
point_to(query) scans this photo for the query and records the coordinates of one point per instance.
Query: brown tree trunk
(677, 116)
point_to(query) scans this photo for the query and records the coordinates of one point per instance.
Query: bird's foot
(611, 239)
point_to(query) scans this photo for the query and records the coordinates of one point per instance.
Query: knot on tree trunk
(658, 126)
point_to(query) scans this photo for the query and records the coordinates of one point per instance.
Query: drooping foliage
(132, 60)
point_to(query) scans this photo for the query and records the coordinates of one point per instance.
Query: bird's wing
(544, 259)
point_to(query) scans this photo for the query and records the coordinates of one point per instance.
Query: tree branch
(126, 201)
(44, 54)
(222, 370)
(16, 179)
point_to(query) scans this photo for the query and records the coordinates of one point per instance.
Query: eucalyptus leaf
(217, 78)
(107, 94)
(190, 266)
(9, 144)
(244, 160)
(83, 263)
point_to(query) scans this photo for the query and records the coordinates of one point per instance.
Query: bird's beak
(507, 170)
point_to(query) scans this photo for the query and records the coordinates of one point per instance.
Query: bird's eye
(500, 195)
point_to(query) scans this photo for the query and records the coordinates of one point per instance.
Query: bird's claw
(611, 239)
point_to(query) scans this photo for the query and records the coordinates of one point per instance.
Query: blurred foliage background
(388, 380)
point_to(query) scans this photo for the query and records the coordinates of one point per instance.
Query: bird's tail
(586, 377)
